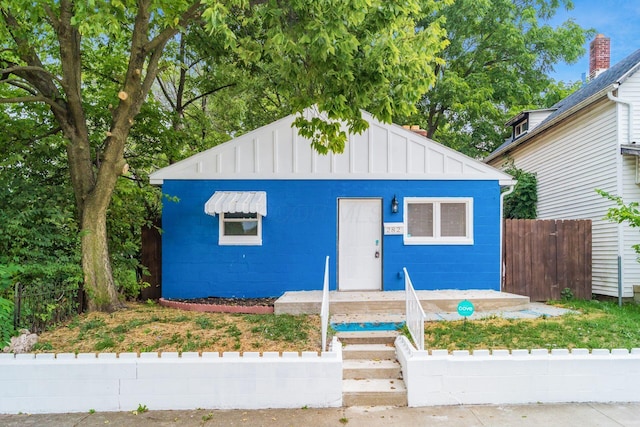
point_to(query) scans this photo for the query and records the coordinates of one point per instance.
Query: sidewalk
(584, 414)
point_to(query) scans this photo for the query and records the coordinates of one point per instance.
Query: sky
(617, 19)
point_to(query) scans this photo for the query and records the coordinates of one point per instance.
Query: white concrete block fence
(48, 383)
(518, 376)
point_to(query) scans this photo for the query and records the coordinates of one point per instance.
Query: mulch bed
(222, 305)
(245, 302)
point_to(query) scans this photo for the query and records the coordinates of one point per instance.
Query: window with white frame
(240, 228)
(520, 128)
(436, 221)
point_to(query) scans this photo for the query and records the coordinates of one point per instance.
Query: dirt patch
(151, 328)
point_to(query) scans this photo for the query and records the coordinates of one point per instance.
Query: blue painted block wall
(300, 230)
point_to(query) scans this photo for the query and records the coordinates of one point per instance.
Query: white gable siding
(570, 163)
(383, 151)
(630, 91)
(536, 117)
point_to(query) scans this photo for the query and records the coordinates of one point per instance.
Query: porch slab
(393, 302)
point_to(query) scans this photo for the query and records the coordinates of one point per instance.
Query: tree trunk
(96, 262)
(93, 187)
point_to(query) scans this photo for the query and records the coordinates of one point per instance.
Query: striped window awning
(237, 201)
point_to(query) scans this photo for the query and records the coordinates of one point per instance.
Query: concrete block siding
(43, 383)
(519, 376)
(300, 230)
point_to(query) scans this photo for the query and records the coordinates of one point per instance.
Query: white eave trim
(237, 201)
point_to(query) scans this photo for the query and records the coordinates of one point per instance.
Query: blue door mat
(367, 326)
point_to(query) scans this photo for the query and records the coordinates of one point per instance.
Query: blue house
(257, 215)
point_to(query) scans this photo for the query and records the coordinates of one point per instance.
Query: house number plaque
(391, 228)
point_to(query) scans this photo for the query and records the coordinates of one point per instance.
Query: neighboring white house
(585, 142)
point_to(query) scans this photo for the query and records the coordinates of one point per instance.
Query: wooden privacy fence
(544, 257)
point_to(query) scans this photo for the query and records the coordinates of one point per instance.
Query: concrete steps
(368, 337)
(368, 352)
(371, 374)
(374, 392)
(370, 369)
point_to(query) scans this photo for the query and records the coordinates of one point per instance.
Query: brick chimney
(599, 56)
(416, 129)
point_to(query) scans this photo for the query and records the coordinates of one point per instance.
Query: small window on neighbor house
(520, 128)
(240, 228)
(438, 221)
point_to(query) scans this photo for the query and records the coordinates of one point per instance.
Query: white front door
(360, 244)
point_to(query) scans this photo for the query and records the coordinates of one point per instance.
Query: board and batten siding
(630, 190)
(570, 162)
(382, 151)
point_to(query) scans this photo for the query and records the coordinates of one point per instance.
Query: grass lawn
(150, 328)
(146, 327)
(597, 325)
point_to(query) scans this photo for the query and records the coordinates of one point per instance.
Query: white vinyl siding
(536, 117)
(630, 191)
(570, 162)
(630, 91)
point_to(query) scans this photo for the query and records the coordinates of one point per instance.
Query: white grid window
(240, 228)
(435, 221)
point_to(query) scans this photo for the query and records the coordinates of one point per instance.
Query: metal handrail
(324, 309)
(414, 313)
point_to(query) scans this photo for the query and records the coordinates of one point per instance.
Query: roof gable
(587, 94)
(276, 151)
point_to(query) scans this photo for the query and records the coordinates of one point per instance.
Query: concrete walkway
(594, 414)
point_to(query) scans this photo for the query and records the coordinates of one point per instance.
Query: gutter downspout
(619, 188)
(630, 111)
(502, 196)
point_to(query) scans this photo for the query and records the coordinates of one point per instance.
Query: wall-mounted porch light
(394, 204)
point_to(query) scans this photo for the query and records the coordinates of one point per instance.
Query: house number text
(393, 228)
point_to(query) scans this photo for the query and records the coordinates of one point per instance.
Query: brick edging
(216, 308)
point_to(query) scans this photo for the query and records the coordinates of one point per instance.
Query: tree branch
(21, 85)
(20, 99)
(165, 92)
(53, 19)
(160, 40)
(16, 69)
(207, 93)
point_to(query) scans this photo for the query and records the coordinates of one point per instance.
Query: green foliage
(7, 272)
(623, 212)
(522, 202)
(74, 118)
(341, 56)
(567, 294)
(141, 409)
(555, 92)
(496, 65)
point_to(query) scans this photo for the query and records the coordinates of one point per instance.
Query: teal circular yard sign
(465, 308)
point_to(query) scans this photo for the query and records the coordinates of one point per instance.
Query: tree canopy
(92, 72)
(497, 63)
